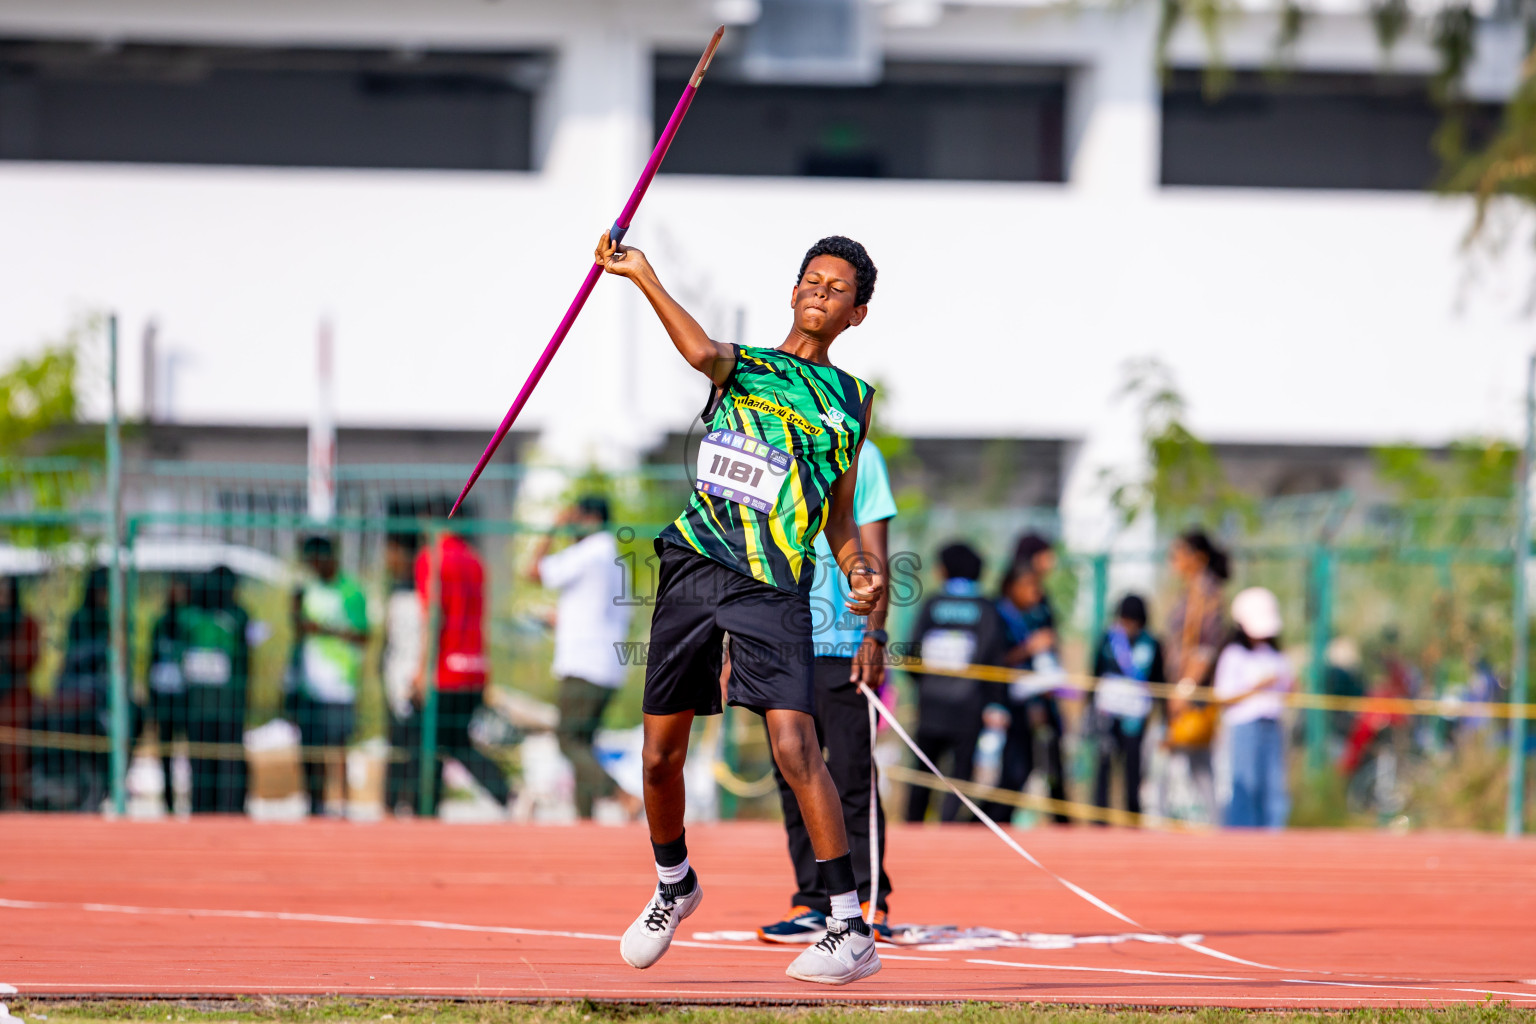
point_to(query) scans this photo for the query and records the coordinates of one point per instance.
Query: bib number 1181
(740, 472)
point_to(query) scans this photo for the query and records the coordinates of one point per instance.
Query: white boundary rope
(876, 708)
(874, 814)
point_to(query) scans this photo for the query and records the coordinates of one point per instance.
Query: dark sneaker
(800, 925)
(841, 956)
(877, 924)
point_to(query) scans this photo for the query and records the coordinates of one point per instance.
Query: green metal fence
(1424, 590)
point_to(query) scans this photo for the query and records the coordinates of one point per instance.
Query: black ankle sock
(836, 875)
(677, 890)
(857, 924)
(673, 853)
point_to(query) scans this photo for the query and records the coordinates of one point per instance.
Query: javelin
(616, 232)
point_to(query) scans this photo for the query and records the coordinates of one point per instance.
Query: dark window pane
(1304, 131)
(311, 108)
(957, 122)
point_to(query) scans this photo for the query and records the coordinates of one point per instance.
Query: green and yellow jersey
(779, 432)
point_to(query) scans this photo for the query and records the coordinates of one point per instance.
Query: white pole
(322, 434)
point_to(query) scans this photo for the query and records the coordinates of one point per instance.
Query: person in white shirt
(591, 620)
(1251, 678)
(400, 661)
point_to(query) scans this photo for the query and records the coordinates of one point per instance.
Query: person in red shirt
(459, 675)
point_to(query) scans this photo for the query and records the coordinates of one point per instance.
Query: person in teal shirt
(333, 627)
(849, 649)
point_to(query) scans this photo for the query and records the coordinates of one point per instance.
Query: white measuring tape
(876, 708)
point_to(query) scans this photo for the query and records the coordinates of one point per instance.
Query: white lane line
(375, 922)
(1411, 988)
(1109, 970)
(278, 915)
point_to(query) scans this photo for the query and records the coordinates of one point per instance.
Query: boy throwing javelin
(777, 465)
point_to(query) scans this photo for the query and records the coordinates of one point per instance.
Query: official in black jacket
(955, 628)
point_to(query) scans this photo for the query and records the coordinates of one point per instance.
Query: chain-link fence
(391, 660)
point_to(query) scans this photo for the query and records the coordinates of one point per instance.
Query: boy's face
(823, 299)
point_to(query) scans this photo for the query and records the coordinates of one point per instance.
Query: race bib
(165, 677)
(742, 469)
(205, 667)
(950, 649)
(1046, 676)
(1123, 698)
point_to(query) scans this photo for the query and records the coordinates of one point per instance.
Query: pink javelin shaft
(620, 226)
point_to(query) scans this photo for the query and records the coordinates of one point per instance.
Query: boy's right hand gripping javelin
(623, 260)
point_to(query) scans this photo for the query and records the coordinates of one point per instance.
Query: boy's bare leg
(665, 752)
(678, 891)
(797, 752)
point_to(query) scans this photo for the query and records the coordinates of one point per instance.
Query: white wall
(1002, 309)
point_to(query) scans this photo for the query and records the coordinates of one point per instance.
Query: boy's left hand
(865, 586)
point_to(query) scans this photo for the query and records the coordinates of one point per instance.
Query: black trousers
(842, 729)
(1117, 742)
(216, 715)
(168, 718)
(1033, 721)
(454, 710)
(961, 748)
(400, 786)
(324, 727)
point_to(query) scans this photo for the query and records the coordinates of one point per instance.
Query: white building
(450, 163)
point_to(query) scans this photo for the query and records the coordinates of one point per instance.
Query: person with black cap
(591, 620)
(956, 628)
(1128, 658)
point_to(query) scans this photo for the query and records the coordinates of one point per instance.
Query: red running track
(417, 908)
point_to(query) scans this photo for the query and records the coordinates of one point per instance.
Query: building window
(927, 121)
(1304, 131)
(266, 107)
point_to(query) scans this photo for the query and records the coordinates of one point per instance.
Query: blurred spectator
(333, 630)
(459, 672)
(76, 780)
(1342, 678)
(1397, 679)
(167, 710)
(404, 628)
(590, 622)
(1035, 722)
(215, 665)
(1251, 676)
(956, 628)
(1194, 635)
(1128, 658)
(19, 650)
(1037, 553)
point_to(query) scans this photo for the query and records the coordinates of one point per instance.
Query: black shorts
(698, 601)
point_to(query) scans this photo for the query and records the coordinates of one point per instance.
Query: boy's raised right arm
(712, 358)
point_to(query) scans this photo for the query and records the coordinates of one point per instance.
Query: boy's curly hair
(846, 249)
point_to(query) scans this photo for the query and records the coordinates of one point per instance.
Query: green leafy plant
(1184, 480)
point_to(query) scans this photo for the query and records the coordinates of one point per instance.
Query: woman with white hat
(1251, 676)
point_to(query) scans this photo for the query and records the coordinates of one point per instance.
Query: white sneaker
(843, 955)
(647, 939)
